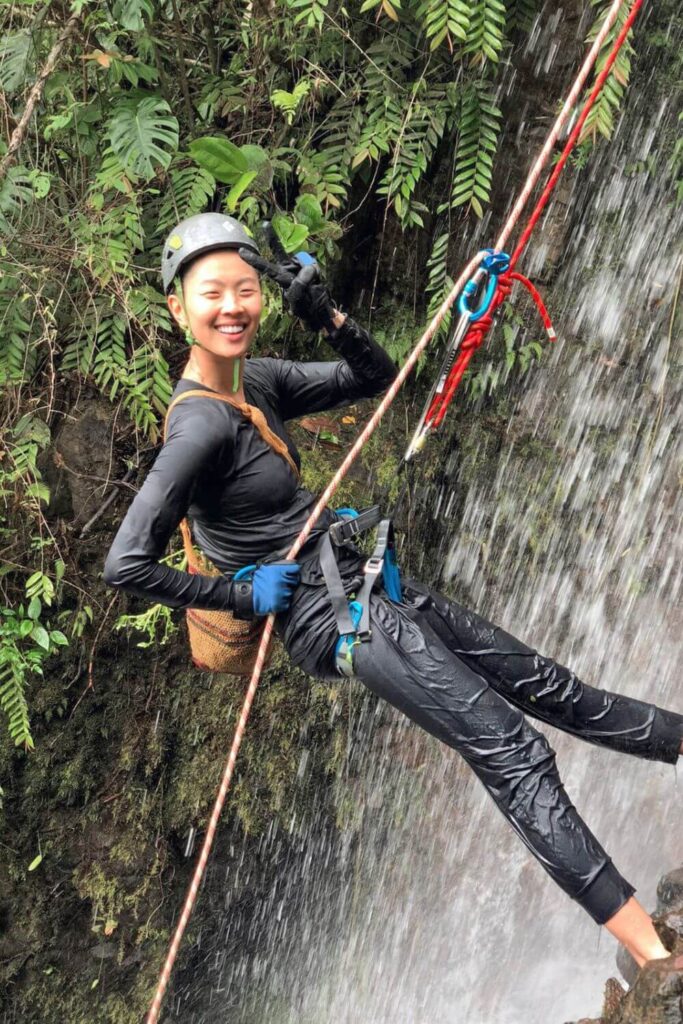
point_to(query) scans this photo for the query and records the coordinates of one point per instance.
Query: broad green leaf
(41, 183)
(40, 636)
(57, 637)
(291, 235)
(131, 14)
(34, 609)
(16, 50)
(309, 212)
(38, 490)
(240, 186)
(143, 135)
(220, 157)
(255, 156)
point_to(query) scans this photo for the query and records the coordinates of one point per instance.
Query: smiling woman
(236, 477)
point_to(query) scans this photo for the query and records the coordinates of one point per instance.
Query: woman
(461, 678)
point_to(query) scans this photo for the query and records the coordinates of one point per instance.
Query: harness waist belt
(353, 616)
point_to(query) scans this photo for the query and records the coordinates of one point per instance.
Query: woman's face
(222, 299)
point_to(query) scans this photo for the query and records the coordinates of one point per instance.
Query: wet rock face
(670, 892)
(656, 992)
(82, 460)
(656, 997)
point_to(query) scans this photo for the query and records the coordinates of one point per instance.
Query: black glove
(305, 294)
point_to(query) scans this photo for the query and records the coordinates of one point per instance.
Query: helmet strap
(178, 285)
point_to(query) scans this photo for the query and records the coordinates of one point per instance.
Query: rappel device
(486, 278)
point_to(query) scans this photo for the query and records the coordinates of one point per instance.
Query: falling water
(431, 911)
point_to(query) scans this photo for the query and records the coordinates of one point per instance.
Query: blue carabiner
(245, 573)
(345, 510)
(495, 264)
(305, 258)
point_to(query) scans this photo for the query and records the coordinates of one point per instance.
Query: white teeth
(230, 329)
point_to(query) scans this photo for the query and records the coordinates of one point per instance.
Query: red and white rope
(569, 103)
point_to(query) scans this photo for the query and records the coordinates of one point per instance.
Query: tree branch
(35, 95)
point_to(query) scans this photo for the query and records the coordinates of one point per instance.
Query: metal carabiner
(245, 573)
(493, 265)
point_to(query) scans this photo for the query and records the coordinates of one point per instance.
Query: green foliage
(517, 359)
(143, 134)
(521, 14)
(418, 136)
(445, 20)
(16, 191)
(479, 128)
(309, 14)
(439, 282)
(600, 120)
(156, 623)
(16, 50)
(289, 102)
(25, 643)
(486, 33)
(188, 191)
(17, 355)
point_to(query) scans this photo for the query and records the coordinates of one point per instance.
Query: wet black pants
(467, 682)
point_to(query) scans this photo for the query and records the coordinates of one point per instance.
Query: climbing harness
(353, 614)
(462, 359)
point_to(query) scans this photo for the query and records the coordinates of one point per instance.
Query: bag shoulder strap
(196, 393)
(190, 551)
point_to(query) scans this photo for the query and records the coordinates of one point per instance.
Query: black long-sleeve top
(243, 500)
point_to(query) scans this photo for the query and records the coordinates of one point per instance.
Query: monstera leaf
(143, 135)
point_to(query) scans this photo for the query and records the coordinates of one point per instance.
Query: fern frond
(486, 34)
(447, 20)
(600, 120)
(12, 697)
(16, 190)
(439, 282)
(17, 357)
(188, 191)
(477, 143)
(422, 129)
(520, 15)
(110, 365)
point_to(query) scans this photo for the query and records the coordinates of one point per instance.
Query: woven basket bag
(218, 641)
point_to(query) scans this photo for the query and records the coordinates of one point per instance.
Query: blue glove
(264, 589)
(273, 585)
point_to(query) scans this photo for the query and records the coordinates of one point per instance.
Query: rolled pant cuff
(667, 734)
(606, 894)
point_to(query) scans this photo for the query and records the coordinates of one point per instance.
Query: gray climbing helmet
(199, 234)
